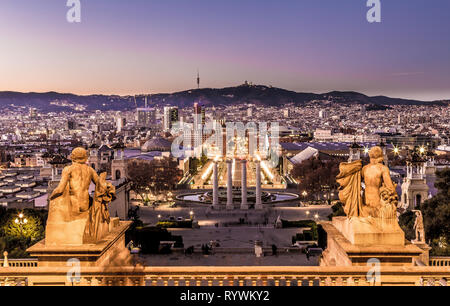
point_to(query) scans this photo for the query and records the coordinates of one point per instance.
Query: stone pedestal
(369, 231)
(424, 258)
(67, 233)
(110, 251)
(354, 242)
(230, 184)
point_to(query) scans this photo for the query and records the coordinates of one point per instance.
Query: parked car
(314, 251)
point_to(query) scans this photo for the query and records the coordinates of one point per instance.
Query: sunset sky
(149, 46)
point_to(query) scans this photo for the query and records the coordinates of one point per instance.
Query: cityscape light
(208, 171)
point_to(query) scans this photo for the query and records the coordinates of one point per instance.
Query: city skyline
(153, 47)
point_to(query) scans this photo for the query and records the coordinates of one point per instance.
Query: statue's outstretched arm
(62, 184)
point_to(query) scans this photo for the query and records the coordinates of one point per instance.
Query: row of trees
(316, 175)
(195, 163)
(157, 177)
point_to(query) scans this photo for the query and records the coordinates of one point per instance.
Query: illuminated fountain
(229, 180)
(238, 179)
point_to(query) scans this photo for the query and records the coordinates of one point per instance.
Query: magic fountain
(234, 190)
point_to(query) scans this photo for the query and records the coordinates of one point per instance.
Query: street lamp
(307, 213)
(147, 189)
(191, 213)
(396, 150)
(316, 216)
(422, 150)
(21, 221)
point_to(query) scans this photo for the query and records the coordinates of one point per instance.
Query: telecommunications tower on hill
(198, 79)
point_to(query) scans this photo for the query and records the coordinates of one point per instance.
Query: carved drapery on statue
(389, 202)
(349, 180)
(98, 220)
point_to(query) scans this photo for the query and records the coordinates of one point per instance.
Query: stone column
(244, 204)
(230, 184)
(258, 203)
(215, 186)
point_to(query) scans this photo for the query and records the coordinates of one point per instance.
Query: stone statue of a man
(73, 219)
(380, 197)
(376, 176)
(419, 227)
(77, 179)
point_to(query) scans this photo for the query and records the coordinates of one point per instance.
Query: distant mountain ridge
(254, 94)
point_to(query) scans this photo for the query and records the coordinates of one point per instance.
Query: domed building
(157, 144)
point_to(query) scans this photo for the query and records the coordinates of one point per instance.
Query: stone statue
(349, 180)
(73, 217)
(98, 220)
(380, 198)
(419, 228)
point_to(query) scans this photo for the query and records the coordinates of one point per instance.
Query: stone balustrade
(225, 276)
(18, 263)
(26, 262)
(439, 261)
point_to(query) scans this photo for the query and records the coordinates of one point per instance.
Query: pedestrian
(274, 250)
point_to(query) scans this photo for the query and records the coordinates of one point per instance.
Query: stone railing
(18, 263)
(225, 276)
(438, 261)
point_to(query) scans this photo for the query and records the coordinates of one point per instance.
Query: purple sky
(149, 46)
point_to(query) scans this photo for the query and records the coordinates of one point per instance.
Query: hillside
(255, 94)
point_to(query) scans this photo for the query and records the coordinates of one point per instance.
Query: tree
(31, 230)
(203, 159)
(193, 166)
(315, 175)
(16, 238)
(436, 215)
(406, 222)
(158, 176)
(338, 211)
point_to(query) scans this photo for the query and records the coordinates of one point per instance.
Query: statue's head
(376, 154)
(79, 155)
